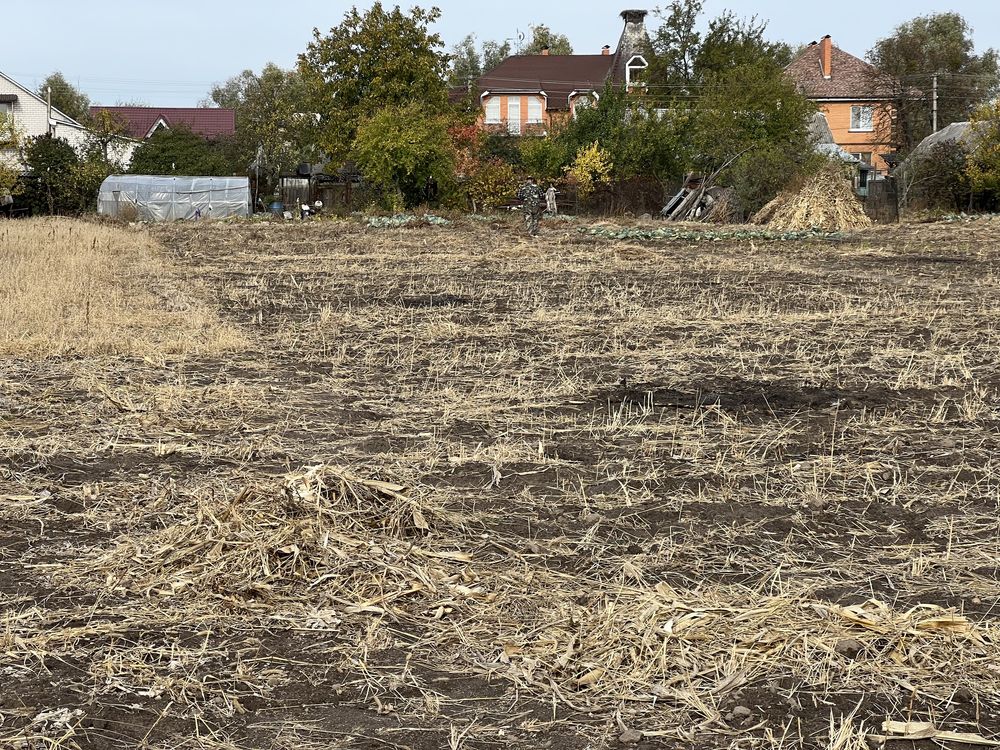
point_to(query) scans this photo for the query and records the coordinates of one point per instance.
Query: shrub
(592, 166)
(492, 184)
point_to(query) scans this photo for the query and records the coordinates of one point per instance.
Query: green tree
(466, 63)
(751, 126)
(66, 97)
(494, 53)
(542, 36)
(373, 61)
(48, 186)
(399, 148)
(983, 165)
(732, 41)
(642, 142)
(675, 43)
(105, 133)
(179, 151)
(682, 57)
(907, 60)
(275, 129)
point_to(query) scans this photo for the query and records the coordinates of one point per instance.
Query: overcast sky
(169, 54)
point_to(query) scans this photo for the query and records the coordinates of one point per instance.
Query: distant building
(528, 93)
(857, 102)
(142, 122)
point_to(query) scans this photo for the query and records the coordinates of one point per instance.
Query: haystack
(826, 202)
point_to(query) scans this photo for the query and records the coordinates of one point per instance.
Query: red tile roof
(850, 77)
(209, 122)
(557, 75)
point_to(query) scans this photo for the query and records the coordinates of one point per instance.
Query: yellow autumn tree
(592, 166)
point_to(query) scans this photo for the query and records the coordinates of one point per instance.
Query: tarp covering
(151, 198)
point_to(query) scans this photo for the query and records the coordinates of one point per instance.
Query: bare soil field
(325, 486)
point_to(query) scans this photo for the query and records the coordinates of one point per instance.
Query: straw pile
(358, 543)
(826, 202)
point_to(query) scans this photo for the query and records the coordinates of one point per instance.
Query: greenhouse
(151, 198)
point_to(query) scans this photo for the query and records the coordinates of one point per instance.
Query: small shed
(161, 198)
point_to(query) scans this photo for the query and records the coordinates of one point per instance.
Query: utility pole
(48, 102)
(934, 103)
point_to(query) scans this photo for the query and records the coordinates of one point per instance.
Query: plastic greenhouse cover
(161, 198)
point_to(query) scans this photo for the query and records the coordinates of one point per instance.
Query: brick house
(530, 93)
(142, 122)
(858, 105)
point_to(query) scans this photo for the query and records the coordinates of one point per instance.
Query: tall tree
(751, 123)
(275, 129)
(675, 44)
(466, 62)
(732, 42)
(939, 44)
(66, 97)
(542, 36)
(400, 148)
(683, 57)
(494, 53)
(369, 62)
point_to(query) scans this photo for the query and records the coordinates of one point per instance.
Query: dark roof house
(558, 76)
(559, 79)
(142, 122)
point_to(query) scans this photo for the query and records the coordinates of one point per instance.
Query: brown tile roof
(557, 75)
(209, 122)
(850, 77)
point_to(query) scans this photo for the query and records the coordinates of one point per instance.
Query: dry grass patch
(74, 287)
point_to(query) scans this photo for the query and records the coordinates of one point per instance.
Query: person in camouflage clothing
(532, 199)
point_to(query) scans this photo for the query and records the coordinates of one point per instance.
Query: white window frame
(7, 113)
(536, 110)
(491, 110)
(514, 115)
(857, 123)
(635, 63)
(583, 100)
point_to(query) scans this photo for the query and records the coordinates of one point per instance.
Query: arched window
(633, 70)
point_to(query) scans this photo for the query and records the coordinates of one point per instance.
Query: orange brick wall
(547, 117)
(879, 141)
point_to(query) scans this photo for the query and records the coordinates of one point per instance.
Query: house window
(634, 69)
(7, 133)
(514, 115)
(865, 157)
(583, 101)
(535, 110)
(493, 110)
(863, 118)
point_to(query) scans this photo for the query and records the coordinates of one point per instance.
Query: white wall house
(30, 113)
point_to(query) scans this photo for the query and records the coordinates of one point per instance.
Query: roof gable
(850, 76)
(57, 114)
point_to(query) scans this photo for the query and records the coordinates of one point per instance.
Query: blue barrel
(277, 208)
